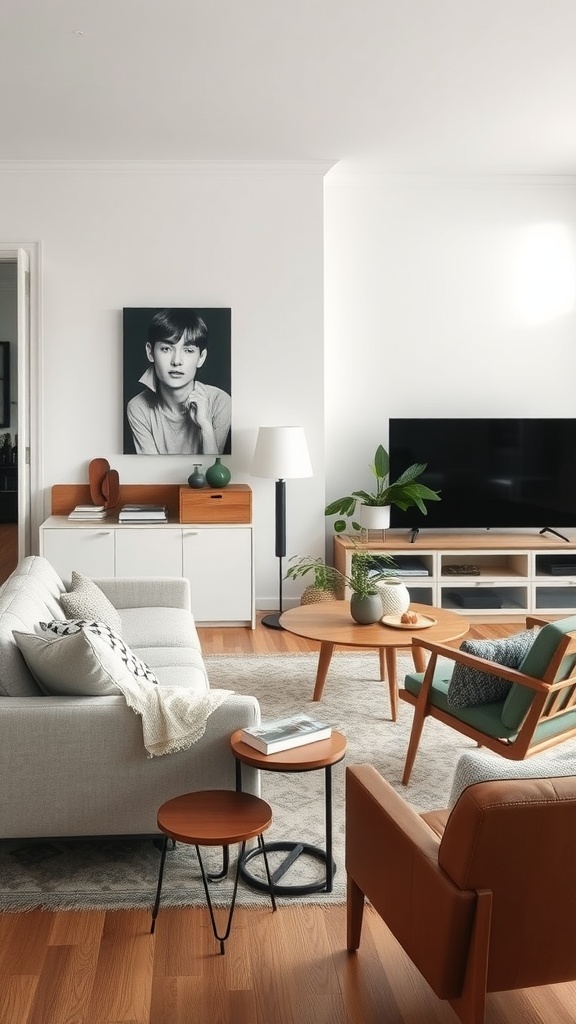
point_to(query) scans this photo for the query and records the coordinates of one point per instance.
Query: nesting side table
(307, 758)
(214, 817)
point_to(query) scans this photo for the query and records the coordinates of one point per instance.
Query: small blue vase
(197, 478)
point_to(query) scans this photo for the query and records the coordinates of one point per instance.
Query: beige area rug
(115, 874)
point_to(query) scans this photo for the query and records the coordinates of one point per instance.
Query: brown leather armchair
(482, 898)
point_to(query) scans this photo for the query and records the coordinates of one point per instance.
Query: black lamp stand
(273, 621)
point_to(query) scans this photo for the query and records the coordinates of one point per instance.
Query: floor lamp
(281, 454)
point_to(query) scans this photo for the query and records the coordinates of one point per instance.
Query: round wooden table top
(214, 817)
(306, 758)
(333, 623)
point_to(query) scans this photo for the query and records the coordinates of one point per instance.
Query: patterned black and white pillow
(65, 627)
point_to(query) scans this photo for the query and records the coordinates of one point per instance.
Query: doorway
(18, 395)
(8, 417)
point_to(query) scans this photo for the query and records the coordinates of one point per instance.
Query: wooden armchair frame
(551, 699)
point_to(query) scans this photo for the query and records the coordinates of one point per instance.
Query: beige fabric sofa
(77, 766)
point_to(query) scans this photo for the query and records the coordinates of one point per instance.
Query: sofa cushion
(85, 600)
(30, 594)
(170, 657)
(134, 664)
(486, 717)
(167, 640)
(471, 686)
(191, 677)
(80, 664)
(159, 627)
(177, 666)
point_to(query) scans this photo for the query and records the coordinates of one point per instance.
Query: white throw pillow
(78, 665)
(85, 600)
(65, 627)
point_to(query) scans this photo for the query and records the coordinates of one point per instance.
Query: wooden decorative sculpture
(104, 483)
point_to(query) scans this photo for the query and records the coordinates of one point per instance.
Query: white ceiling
(419, 85)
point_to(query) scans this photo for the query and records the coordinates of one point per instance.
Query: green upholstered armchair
(537, 712)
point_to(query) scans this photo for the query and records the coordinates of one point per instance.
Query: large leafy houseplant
(404, 492)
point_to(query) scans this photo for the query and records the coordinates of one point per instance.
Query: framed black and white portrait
(177, 381)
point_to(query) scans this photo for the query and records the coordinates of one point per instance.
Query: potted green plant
(325, 580)
(404, 492)
(365, 576)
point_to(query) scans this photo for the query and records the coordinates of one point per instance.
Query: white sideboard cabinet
(217, 559)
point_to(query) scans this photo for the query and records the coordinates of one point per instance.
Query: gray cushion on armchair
(481, 766)
(470, 687)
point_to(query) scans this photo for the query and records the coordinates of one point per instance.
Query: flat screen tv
(491, 473)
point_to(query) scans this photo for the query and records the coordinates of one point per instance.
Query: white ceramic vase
(395, 597)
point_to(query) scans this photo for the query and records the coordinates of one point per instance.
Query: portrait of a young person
(177, 381)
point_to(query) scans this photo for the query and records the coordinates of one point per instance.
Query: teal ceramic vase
(218, 475)
(197, 478)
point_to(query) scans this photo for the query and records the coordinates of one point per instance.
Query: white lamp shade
(281, 453)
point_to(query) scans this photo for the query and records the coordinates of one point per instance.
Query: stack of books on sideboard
(142, 514)
(88, 512)
(285, 733)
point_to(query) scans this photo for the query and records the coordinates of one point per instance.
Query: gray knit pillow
(470, 686)
(85, 600)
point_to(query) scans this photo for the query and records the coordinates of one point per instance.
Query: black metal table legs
(216, 877)
(294, 849)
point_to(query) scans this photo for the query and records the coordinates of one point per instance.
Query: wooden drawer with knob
(230, 504)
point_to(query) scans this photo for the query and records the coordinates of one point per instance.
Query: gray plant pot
(366, 609)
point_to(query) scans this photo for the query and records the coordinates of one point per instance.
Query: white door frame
(27, 256)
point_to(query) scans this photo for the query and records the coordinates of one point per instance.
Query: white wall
(432, 310)
(248, 237)
(421, 308)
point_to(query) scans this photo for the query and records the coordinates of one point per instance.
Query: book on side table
(285, 733)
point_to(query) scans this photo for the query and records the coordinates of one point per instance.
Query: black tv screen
(491, 473)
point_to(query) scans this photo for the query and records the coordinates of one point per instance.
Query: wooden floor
(290, 967)
(8, 552)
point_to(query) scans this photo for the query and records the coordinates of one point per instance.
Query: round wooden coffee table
(306, 758)
(331, 624)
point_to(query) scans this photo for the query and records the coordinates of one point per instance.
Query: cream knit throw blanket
(173, 717)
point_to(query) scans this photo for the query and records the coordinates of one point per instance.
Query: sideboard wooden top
(66, 496)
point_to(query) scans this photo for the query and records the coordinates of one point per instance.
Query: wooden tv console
(519, 574)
